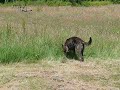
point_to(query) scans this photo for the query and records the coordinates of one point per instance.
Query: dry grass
(54, 75)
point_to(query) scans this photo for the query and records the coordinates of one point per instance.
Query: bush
(116, 1)
(96, 3)
(65, 2)
(58, 3)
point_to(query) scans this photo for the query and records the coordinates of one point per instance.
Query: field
(33, 41)
(40, 33)
(54, 75)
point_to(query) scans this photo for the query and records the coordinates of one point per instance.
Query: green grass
(40, 34)
(16, 47)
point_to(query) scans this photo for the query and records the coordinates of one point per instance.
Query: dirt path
(53, 75)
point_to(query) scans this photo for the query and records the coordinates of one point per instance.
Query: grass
(39, 34)
(50, 75)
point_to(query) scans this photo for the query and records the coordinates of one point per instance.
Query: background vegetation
(62, 2)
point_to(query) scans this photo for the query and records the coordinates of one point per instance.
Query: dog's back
(72, 41)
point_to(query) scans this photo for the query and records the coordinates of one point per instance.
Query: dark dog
(74, 47)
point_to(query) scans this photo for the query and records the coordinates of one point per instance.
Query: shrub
(96, 3)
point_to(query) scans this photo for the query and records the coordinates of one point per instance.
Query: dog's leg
(79, 49)
(82, 50)
(65, 50)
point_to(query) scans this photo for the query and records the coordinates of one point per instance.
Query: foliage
(64, 2)
(96, 3)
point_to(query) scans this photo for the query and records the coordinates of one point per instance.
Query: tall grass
(39, 34)
(16, 47)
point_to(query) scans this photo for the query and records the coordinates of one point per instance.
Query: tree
(2, 1)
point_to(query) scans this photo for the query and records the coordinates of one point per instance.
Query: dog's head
(65, 48)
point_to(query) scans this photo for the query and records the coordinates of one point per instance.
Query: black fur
(74, 47)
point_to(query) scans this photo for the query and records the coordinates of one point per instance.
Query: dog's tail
(88, 43)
